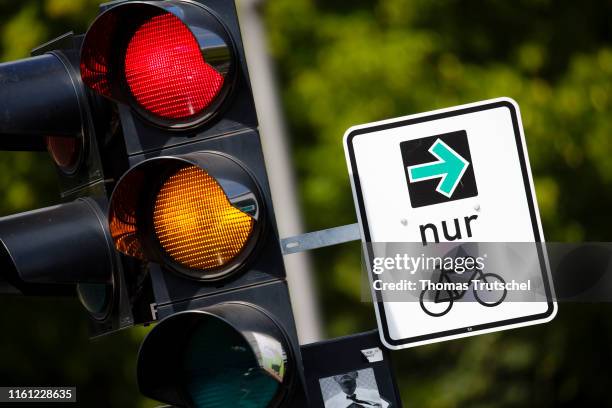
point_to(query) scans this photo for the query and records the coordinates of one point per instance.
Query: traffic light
(194, 205)
(65, 249)
(43, 107)
(167, 214)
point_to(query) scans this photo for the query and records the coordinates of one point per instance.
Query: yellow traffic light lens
(196, 224)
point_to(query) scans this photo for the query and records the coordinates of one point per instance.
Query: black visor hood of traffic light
(64, 244)
(171, 61)
(38, 98)
(198, 214)
(216, 356)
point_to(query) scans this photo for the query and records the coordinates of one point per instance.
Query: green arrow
(449, 167)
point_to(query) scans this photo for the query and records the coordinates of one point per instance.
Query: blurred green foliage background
(342, 63)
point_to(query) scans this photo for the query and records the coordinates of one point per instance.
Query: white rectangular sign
(459, 174)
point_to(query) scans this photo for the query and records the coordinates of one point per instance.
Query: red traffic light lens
(65, 151)
(166, 71)
(171, 61)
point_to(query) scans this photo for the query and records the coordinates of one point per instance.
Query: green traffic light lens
(222, 370)
(95, 297)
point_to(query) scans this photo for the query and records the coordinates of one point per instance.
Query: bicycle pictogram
(438, 302)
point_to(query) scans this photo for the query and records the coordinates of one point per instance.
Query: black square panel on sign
(418, 153)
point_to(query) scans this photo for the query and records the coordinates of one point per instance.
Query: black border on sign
(530, 203)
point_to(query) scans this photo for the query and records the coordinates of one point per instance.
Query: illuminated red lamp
(174, 71)
(166, 71)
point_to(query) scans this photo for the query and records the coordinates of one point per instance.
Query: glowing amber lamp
(195, 223)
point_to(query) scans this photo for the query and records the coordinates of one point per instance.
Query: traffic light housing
(153, 131)
(194, 204)
(47, 107)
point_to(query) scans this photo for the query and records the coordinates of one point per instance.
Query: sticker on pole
(452, 235)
